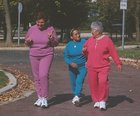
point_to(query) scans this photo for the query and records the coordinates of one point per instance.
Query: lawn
(130, 53)
(133, 53)
(3, 79)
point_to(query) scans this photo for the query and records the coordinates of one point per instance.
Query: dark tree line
(65, 14)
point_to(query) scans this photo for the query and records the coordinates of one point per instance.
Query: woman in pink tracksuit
(41, 38)
(98, 49)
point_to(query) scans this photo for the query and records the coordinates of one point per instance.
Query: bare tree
(8, 23)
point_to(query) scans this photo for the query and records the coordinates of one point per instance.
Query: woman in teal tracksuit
(76, 64)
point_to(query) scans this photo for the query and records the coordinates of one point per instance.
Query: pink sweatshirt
(41, 45)
(99, 51)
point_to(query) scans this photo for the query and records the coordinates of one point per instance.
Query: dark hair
(41, 15)
(74, 29)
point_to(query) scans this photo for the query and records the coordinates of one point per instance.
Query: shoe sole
(96, 106)
(43, 106)
(37, 105)
(102, 109)
(77, 104)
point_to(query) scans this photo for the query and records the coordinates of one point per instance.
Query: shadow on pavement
(60, 98)
(85, 100)
(115, 100)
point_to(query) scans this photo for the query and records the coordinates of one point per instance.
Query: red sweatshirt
(99, 51)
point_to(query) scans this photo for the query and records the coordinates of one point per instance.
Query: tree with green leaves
(63, 14)
(66, 14)
(109, 13)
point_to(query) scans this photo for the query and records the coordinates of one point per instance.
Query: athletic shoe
(97, 105)
(76, 101)
(44, 102)
(38, 102)
(103, 105)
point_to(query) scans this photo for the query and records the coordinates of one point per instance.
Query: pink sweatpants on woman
(40, 69)
(98, 83)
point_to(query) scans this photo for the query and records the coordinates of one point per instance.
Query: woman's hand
(119, 67)
(84, 49)
(74, 65)
(50, 35)
(52, 40)
(29, 41)
(85, 52)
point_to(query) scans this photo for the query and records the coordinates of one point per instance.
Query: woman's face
(95, 33)
(75, 35)
(41, 23)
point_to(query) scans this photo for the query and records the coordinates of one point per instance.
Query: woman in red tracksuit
(98, 49)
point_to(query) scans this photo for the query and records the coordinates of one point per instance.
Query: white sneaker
(97, 105)
(103, 105)
(38, 102)
(75, 99)
(44, 102)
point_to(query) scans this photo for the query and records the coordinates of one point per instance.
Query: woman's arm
(114, 54)
(66, 56)
(28, 40)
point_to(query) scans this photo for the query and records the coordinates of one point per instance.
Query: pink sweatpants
(98, 83)
(40, 69)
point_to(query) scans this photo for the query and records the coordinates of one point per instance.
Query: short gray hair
(97, 26)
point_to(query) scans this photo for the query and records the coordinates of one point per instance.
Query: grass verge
(130, 53)
(3, 79)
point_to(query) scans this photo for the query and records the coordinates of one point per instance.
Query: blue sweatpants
(77, 77)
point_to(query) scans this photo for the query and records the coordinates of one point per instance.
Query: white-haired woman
(98, 49)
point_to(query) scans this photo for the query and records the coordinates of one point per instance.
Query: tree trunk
(137, 29)
(137, 17)
(8, 23)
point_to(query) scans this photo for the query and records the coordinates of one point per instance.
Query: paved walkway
(124, 91)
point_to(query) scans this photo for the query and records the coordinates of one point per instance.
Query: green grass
(133, 53)
(130, 53)
(3, 79)
(118, 42)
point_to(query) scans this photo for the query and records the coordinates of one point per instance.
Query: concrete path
(124, 91)
(12, 82)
